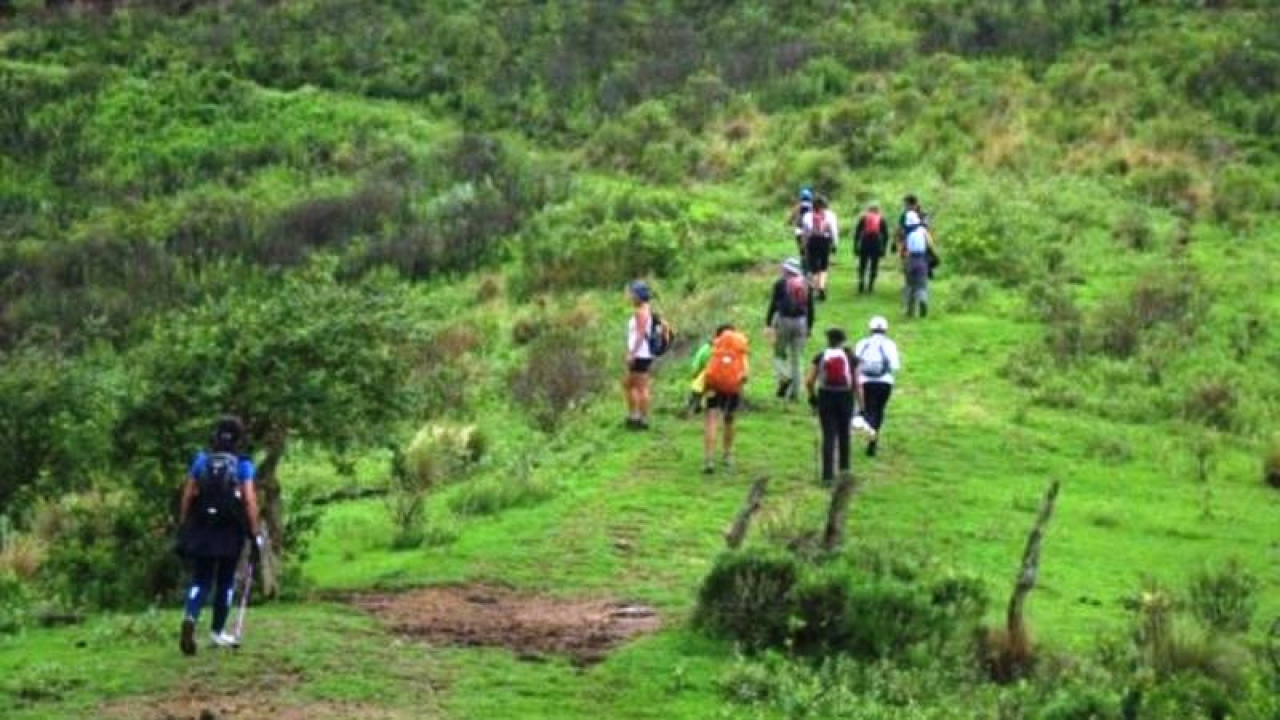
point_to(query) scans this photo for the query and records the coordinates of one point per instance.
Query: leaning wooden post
(737, 532)
(1015, 623)
(840, 497)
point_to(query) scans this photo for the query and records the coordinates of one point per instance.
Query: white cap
(878, 324)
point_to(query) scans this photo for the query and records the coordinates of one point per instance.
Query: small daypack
(218, 497)
(727, 368)
(795, 301)
(661, 335)
(877, 367)
(836, 372)
(819, 227)
(871, 224)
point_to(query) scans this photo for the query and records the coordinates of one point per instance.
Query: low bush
(559, 374)
(519, 488)
(1212, 403)
(1224, 598)
(747, 597)
(436, 455)
(1271, 467)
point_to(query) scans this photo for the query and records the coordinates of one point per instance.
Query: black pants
(876, 395)
(868, 268)
(204, 572)
(835, 412)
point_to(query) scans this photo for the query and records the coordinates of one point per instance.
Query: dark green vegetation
(348, 220)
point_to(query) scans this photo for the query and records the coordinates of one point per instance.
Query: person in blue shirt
(218, 512)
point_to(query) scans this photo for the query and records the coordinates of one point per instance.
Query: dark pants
(205, 572)
(835, 412)
(868, 268)
(876, 395)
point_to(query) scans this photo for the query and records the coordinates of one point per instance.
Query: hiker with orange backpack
(870, 241)
(788, 323)
(834, 387)
(821, 238)
(728, 368)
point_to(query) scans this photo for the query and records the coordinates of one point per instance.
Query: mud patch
(527, 624)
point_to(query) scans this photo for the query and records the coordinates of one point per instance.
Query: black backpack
(218, 502)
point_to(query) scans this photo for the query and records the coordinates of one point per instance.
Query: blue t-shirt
(244, 470)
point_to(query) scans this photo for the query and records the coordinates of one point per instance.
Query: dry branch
(1015, 622)
(840, 497)
(737, 532)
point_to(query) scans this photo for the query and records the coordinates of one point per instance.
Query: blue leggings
(203, 575)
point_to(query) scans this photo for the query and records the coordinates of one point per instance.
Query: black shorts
(817, 256)
(640, 365)
(725, 403)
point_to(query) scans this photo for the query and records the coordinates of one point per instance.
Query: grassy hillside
(398, 214)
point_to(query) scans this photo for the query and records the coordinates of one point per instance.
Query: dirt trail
(529, 624)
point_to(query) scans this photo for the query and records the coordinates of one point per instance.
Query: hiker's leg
(226, 588)
(874, 269)
(780, 345)
(863, 262)
(827, 418)
(729, 427)
(201, 583)
(798, 331)
(843, 417)
(642, 395)
(709, 430)
(628, 393)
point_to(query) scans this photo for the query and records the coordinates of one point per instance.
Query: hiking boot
(642, 423)
(861, 288)
(871, 448)
(783, 387)
(224, 639)
(708, 467)
(727, 463)
(822, 294)
(924, 308)
(187, 637)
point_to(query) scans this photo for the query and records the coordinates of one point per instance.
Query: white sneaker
(859, 424)
(224, 639)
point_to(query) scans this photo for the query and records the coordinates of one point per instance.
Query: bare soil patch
(530, 625)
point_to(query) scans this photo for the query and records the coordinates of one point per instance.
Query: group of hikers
(848, 386)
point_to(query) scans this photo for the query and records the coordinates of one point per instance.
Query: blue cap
(806, 194)
(641, 290)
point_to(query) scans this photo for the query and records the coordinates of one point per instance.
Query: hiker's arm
(813, 311)
(188, 497)
(835, 232)
(811, 379)
(250, 494)
(773, 307)
(857, 385)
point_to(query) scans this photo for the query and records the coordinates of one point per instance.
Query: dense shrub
(1213, 403)
(1224, 598)
(436, 455)
(518, 487)
(559, 375)
(747, 596)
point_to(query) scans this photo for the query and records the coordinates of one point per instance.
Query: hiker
(218, 512)
(833, 386)
(870, 241)
(728, 368)
(639, 357)
(878, 360)
(915, 263)
(796, 218)
(788, 323)
(821, 238)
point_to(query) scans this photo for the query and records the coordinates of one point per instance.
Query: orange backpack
(727, 368)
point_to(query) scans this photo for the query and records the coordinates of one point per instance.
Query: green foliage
(747, 596)
(561, 372)
(1224, 599)
(437, 454)
(514, 489)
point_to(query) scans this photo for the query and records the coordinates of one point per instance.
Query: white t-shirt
(806, 224)
(868, 350)
(639, 335)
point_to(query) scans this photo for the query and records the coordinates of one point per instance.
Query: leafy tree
(296, 356)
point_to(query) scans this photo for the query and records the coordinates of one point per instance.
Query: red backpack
(818, 225)
(796, 299)
(871, 223)
(836, 370)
